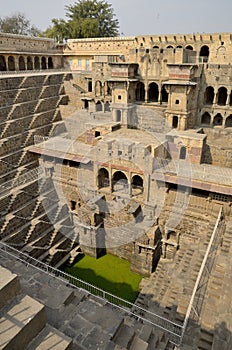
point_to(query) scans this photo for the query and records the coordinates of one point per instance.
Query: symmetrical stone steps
(50, 338)
(23, 320)
(9, 286)
(20, 322)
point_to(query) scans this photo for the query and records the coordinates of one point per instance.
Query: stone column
(33, 62)
(110, 179)
(16, 63)
(224, 121)
(146, 93)
(215, 99)
(129, 185)
(7, 65)
(160, 97)
(182, 124)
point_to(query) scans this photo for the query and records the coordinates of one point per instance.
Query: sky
(138, 17)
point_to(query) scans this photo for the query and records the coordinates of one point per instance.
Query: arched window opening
(118, 115)
(169, 47)
(90, 86)
(11, 63)
(2, 64)
(140, 92)
(137, 185)
(179, 47)
(86, 104)
(153, 93)
(183, 152)
(29, 63)
(206, 119)
(103, 178)
(209, 95)
(164, 95)
(98, 88)
(120, 182)
(189, 47)
(155, 47)
(21, 63)
(50, 63)
(228, 123)
(109, 90)
(217, 120)
(98, 106)
(107, 106)
(43, 63)
(204, 53)
(73, 205)
(175, 121)
(36, 63)
(222, 96)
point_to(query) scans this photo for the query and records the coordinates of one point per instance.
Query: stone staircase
(23, 319)
(92, 323)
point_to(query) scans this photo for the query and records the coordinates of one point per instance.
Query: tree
(18, 24)
(86, 19)
(59, 30)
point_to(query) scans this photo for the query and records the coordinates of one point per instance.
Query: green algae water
(109, 273)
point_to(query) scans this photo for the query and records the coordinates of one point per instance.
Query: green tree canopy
(86, 19)
(18, 24)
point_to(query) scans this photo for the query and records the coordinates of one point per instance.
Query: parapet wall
(22, 43)
(219, 44)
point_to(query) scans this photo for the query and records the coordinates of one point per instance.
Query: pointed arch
(2, 64)
(103, 178)
(29, 63)
(228, 123)
(217, 120)
(206, 119)
(140, 92)
(164, 94)
(36, 63)
(43, 63)
(50, 63)
(21, 63)
(153, 92)
(209, 95)
(11, 63)
(183, 152)
(222, 96)
(204, 53)
(119, 181)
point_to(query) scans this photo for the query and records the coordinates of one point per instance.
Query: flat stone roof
(205, 177)
(187, 134)
(135, 136)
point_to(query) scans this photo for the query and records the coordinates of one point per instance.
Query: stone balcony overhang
(199, 176)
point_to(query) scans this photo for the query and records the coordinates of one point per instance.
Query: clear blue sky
(139, 16)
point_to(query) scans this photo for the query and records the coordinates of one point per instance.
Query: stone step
(138, 344)
(124, 336)
(21, 321)
(50, 338)
(9, 286)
